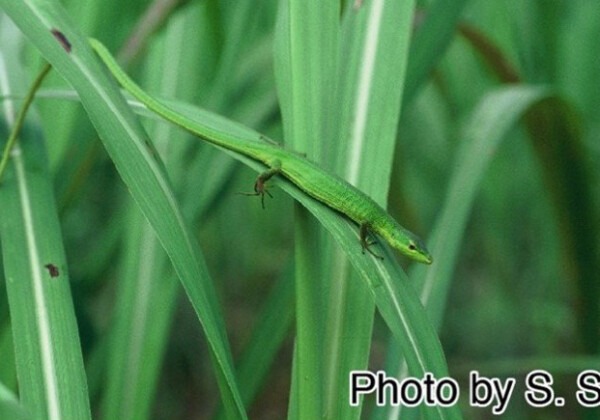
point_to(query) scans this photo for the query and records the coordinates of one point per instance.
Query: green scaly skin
(325, 187)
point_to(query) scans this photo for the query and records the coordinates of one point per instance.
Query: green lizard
(325, 187)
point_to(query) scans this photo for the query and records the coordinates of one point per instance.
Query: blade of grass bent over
(128, 146)
(495, 115)
(557, 139)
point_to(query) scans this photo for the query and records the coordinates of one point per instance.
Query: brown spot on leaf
(62, 39)
(52, 269)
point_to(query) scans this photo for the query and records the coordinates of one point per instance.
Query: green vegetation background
(520, 262)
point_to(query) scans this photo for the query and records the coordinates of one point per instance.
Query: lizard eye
(412, 247)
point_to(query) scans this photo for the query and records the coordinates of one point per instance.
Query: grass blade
(272, 327)
(556, 135)
(10, 407)
(147, 289)
(127, 144)
(497, 113)
(48, 356)
(430, 41)
(146, 298)
(372, 67)
(305, 52)
(8, 375)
